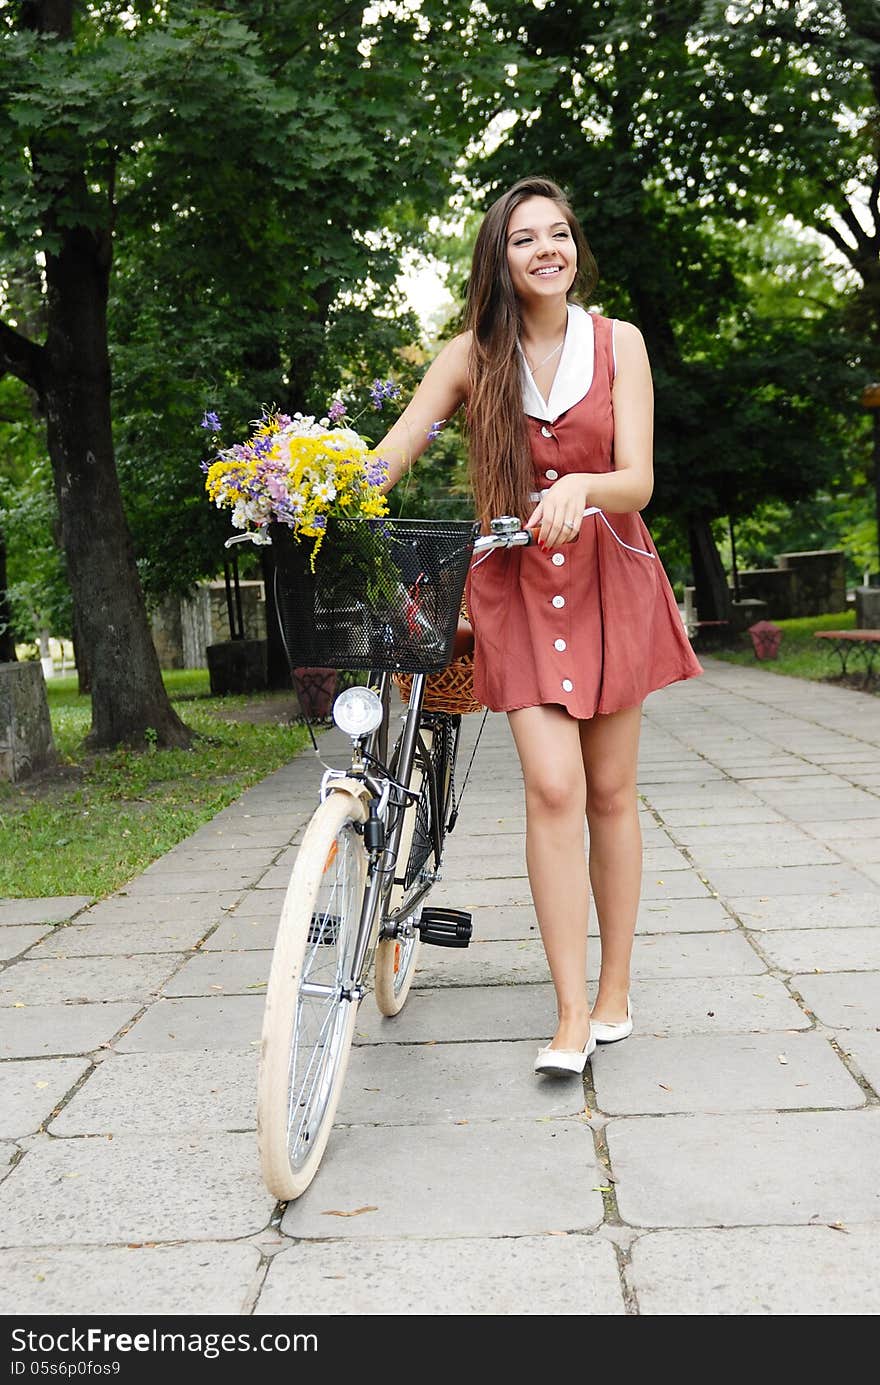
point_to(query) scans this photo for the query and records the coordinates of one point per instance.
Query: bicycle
(373, 848)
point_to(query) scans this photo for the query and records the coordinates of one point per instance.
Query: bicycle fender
(357, 790)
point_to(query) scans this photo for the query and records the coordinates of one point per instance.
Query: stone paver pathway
(721, 1161)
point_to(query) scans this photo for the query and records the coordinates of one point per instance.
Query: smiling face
(541, 254)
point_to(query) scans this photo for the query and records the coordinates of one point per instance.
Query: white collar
(574, 375)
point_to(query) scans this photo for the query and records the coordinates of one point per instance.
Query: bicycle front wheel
(309, 1018)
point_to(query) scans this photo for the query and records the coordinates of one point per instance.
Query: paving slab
(164, 1094)
(54, 910)
(724, 1072)
(260, 904)
(823, 949)
(477, 1277)
(31, 1091)
(702, 915)
(18, 937)
(690, 815)
(129, 908)
(790, 1271)
(232, 834)
(204, 1279)
(507, 963)
(731, 882)
(161, 882)
(842, 1000)
(229, 973)
(472, 1013)
(505, 1162)
(237, 934)
(423, 1083)
(792, 1168)
(852, 803)
(185, 859)
(215, 1023)
(8, 1152)
(38, 1031)
(134, 1188)
(758, 912)
(863, 1047)
(51, 979)
(121, 939)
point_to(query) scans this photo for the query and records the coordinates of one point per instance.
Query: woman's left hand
(557, 517)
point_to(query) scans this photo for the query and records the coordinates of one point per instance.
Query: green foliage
(38, 593)
(261, 168)
(684, 133)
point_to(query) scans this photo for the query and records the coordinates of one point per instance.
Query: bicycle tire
(307, 1038)
(396, 958)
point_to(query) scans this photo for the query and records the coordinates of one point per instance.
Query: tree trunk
(710, 579)
(71, 375)
(7, 634)
(128, 695)
(80, 658)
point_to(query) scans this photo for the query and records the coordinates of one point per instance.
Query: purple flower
(377, 472)
(211, 422)
(380, 390)
(336, 412)
(436, 429)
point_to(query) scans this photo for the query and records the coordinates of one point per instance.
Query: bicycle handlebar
(508, 534)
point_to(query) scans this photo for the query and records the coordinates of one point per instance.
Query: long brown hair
(500, 461)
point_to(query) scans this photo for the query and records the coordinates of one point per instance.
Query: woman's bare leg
(550, 753)
(610, 746)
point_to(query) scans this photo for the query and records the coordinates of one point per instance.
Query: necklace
(534, 369)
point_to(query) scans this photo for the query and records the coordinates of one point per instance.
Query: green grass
(800, 655)
(101, 819)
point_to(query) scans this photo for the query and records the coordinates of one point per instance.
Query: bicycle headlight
(357, 711)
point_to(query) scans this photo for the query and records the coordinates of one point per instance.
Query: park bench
(845, 642)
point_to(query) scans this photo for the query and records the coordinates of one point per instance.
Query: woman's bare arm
(440, 393)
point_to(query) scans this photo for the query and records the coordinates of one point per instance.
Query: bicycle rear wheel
(309, 1018)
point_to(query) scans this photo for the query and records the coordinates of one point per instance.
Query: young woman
(572, 633)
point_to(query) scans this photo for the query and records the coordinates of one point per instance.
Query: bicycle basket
(385, 593)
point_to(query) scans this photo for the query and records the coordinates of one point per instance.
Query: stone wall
(26, 742)
(801, 584)
(183, 629)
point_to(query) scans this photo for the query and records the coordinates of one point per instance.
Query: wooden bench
(844, 642)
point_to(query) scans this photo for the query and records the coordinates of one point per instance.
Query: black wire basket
(385, 593)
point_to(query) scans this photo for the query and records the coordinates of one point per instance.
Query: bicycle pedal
(445, 927)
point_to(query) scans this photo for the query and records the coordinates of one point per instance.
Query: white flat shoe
(563, 1062)
(612, 1033)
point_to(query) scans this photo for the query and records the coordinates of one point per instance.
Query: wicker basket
(449, 691)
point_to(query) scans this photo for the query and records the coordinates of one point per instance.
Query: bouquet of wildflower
(298, 472)
(312, 488)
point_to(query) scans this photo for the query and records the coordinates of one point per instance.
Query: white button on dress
(567, 685)
(559, 602)
(551, 475)
(558, 559)
(545, 431)
(560, 645)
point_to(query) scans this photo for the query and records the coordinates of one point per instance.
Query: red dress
(593, 625)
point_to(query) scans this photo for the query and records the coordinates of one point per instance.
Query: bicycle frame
(383, 861)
